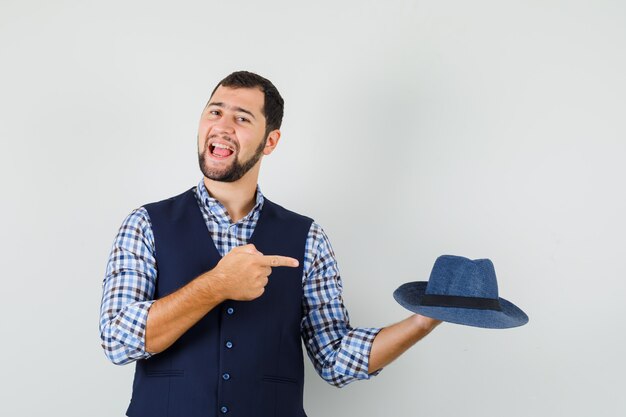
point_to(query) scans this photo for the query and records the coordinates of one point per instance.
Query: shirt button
(224, 409)
(226, 376)
(230, 311)
(229, 344)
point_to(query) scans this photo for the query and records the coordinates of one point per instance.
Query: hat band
(431, 300)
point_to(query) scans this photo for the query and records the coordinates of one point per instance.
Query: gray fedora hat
(461, 291)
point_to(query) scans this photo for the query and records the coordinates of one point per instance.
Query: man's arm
(171, 316)
(128, 289)
(134, 326)
(340, 353)
(240, 275)
(394, 340)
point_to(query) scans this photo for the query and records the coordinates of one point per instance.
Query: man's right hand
(243, 273)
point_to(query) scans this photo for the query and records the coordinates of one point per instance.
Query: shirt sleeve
(128, 289)
(339, 352)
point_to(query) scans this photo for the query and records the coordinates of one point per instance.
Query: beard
(235, 170)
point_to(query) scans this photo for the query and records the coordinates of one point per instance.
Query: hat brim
(410, 296)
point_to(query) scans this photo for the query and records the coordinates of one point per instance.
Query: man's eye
(214, 112)
(242, 119)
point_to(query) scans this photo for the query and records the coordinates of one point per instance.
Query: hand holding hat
(461, 291)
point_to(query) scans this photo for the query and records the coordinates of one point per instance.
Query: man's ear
(272, 140)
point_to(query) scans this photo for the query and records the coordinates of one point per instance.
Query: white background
(487, 129)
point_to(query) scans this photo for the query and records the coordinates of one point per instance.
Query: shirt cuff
(354, 355)
(129, 333)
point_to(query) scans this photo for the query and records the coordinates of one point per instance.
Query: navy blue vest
(243, 358)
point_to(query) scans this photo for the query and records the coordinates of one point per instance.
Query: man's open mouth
(220, 151)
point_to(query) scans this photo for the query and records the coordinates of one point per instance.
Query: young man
(189, 297)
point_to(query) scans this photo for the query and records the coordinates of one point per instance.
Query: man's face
(232, 119)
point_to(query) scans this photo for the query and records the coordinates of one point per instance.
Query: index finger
(277, 260)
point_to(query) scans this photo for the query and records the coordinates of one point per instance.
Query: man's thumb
(251, 249)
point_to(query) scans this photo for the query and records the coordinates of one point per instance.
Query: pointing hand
(243, 273)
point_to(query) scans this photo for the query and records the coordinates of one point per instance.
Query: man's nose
(224, 126)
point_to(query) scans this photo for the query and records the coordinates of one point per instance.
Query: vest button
(224, 409)
(229, 344)
(226, 376)
(230, 311)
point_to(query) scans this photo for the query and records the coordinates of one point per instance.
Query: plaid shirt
(339, 352)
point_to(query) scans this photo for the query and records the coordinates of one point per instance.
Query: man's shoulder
(171, 208)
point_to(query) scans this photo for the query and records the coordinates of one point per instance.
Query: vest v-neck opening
(212, 245)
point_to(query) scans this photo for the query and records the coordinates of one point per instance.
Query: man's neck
(237, 197)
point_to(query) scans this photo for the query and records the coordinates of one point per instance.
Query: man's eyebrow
(241, 109)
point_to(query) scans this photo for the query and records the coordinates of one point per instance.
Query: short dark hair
(273, 104)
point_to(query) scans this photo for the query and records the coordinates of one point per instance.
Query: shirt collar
(213, 206)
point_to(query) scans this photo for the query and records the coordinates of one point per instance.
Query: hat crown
(459, 276)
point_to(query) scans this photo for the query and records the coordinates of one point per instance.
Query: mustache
(225, 138)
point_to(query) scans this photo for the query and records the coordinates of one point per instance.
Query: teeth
(219, 145)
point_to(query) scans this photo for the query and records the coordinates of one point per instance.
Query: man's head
(244, 114)
(273, 103)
